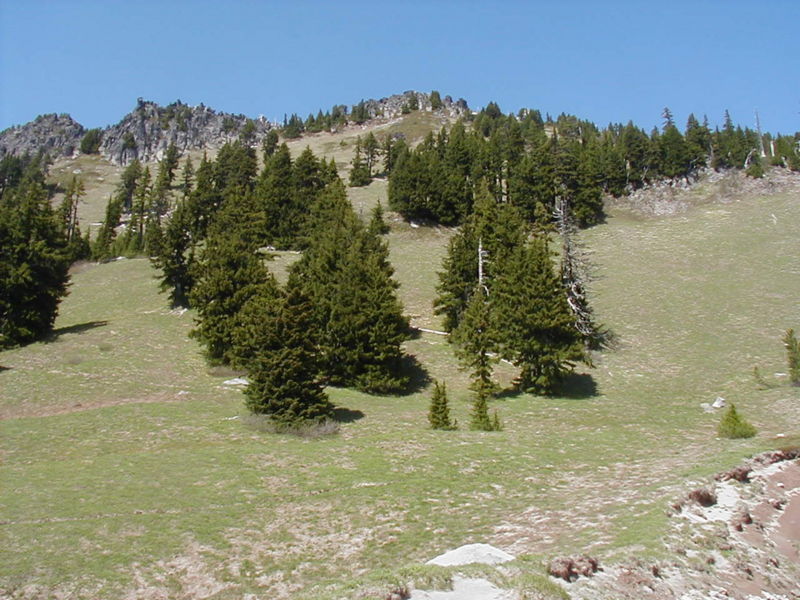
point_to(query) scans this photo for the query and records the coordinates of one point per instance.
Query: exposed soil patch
(743, 545)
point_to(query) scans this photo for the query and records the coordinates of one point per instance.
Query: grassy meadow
(128, 469)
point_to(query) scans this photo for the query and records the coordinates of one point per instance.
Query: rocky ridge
(56, 135)
(147, 131)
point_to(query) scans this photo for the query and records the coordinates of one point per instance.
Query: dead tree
(575, 275)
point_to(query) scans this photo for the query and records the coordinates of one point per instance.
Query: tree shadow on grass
(346, 415)
(579, 386)
(576, 386)
(418, 376)
(79, 328)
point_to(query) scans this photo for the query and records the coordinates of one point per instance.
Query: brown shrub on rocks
(703, 497)
(740, 473)
(570, 568)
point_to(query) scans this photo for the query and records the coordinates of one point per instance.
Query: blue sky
(605, 61)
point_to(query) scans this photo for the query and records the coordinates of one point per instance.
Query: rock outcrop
(56, 135)
(393, 106)
(147, 131)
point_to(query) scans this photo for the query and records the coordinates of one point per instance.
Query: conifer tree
(103, 247)
(370, 148)
(204, 200)
(439, 411)
(176, 259)
(494, 226)
(377, 224)
(226, 276)
(734, 426)
(128, 184)
(533, 320)
(475, 342)
(33, 258)
(346, 274)
(134, 234)
(270, 144)
(254, 327)
(359, 171)
(276, 196)
(283, 374)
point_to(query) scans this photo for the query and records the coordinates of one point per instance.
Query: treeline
(529, 162)
(37, 245)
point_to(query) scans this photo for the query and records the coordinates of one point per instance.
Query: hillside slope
(130, 470)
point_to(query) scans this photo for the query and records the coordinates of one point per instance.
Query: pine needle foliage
(34, 259)
(535, 324)
(479, 416)
(474, 340)
(283, 373)
(227, 274)
(734, 426)
(439, 412)
(346, 274)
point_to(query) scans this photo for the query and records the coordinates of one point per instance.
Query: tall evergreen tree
(226, 276)
(359, 168)
(176, 258)
(533, 321)
(346, 274)
(283, 374)
(494, 226)
(475, 342)
(103, 247)
(33, 259)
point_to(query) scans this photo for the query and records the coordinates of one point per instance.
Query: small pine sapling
(439, 413)
(792, 356)
(377, 224)
(733, 425)
(479, 417)
(761, 382)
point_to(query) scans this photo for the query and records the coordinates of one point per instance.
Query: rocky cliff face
(56, 135)
(147, 131)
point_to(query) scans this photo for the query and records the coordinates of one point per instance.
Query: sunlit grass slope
(127, 465)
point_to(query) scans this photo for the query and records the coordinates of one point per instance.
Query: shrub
(302, 429)
(90, 144)
(755, 170)
(733, 426)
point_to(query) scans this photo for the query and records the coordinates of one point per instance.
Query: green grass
(125, 462)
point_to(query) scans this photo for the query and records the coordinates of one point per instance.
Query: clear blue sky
(607, 61)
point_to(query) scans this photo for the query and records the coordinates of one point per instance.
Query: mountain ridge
(147, 131)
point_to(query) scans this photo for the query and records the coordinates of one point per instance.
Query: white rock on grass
(472, 553)
(466, 589)
(236, 381)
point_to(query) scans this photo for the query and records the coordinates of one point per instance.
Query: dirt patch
(743, 546)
